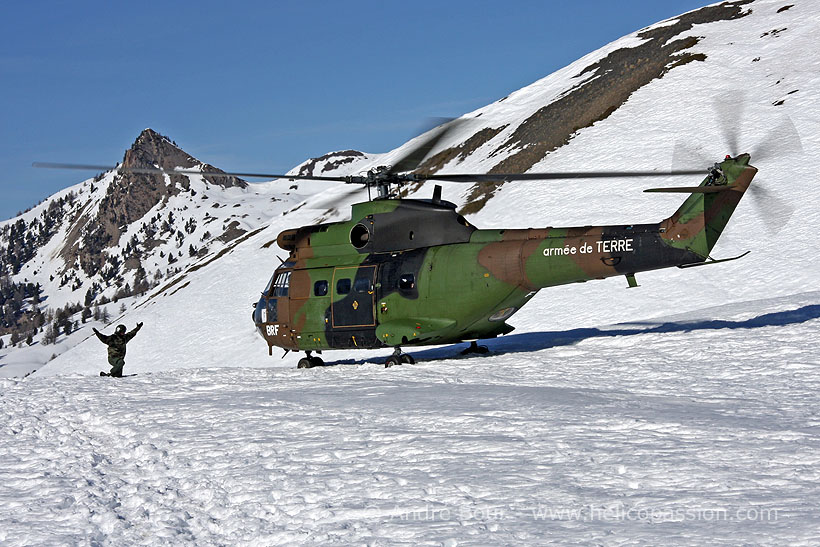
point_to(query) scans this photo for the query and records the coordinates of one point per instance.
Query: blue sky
(262, 86)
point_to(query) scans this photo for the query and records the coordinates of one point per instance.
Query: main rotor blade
(503, 177)
(333, 200)
(158, 171)
(413, 158)
(77, 166)
(683, 155)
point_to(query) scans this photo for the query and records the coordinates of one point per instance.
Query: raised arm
(134, 332)
(103, 338)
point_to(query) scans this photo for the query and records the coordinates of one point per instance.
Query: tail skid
(713, 261)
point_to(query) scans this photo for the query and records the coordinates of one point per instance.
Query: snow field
(683, 412)
(697, 431)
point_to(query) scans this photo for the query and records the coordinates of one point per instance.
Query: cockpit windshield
(281, 284)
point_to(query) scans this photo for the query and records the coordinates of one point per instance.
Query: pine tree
(89, 297)
(51, 334)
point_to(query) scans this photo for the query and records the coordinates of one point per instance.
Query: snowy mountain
(682, 411)
(103, 244)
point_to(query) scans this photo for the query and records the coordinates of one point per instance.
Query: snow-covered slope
(683, 411)
(692, 433)
(107, 241)
(207, 319)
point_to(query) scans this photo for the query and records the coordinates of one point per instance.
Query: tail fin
(698, 223)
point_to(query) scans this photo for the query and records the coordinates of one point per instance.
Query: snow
(702, 430)
(684, 411)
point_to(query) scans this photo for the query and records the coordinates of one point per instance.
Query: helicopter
(412, 272)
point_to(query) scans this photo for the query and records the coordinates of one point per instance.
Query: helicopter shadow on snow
(535, 341)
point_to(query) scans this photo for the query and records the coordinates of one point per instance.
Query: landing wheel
(399, 358)
(309, 362)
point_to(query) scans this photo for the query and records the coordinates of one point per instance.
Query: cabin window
(320, 288)
(362, 285)
(281, 284)
(407, 282)
(343, 286)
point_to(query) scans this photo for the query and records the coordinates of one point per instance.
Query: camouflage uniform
(116, 347)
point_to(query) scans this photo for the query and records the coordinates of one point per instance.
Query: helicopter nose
(256, 315)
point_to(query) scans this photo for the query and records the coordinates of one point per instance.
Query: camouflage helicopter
(413, 272)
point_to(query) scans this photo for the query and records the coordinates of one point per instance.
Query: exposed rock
(130, 196)
(606, 85)
(329, 162)
(232, 232)
(460, 152)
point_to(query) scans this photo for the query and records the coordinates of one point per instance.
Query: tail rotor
(782, 140)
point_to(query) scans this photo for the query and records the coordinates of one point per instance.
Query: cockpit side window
(320, 288)
(281, 284)
(266, 292)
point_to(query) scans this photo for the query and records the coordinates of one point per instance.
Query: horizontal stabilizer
(692, 189)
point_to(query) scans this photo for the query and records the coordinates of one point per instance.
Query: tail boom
(537, 258)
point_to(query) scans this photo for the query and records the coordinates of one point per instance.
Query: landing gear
(310, 362)
(475, 348)
(399, 358)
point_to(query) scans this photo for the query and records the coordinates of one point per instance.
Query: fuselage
(407, 272)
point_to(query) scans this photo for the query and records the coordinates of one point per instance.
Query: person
(116, 348)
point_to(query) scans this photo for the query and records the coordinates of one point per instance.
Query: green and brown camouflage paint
(415, 272)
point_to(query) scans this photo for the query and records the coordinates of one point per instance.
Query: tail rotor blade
(729, 111)
(780, 141)
(774, 211)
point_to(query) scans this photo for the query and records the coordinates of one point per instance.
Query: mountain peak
(152, 141)
(152, 149)
(130, 196)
